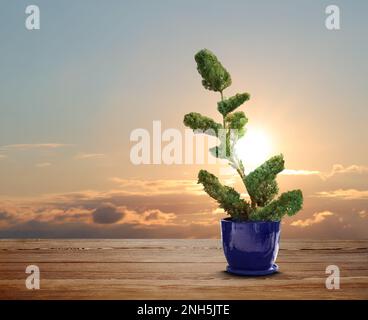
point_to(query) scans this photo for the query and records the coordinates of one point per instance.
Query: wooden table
(176, 269)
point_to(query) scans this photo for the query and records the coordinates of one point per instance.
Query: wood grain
(176, 269)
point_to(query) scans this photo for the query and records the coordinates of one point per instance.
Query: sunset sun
(254, 148)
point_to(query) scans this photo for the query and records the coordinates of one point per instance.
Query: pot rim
(229, 220)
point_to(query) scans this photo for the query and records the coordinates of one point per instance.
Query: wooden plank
(176, 269)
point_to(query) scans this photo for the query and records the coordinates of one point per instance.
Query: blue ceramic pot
(251, 247)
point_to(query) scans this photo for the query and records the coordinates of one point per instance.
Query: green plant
(261, 183)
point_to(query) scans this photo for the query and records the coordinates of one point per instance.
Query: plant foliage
(229, 105)
(214, 76)
(196, 121)
(260, 184)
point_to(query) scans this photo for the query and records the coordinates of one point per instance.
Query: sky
(72, 93)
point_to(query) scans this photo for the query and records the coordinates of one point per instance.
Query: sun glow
(254, 148)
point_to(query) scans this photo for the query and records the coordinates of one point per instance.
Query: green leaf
(288, 203)
(261, 184)
(230, 104)
(214, 76)
(196, 121)
(227, 197)
(237, 121)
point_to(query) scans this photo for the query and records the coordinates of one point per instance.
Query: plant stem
(223, 118)
(239, 167)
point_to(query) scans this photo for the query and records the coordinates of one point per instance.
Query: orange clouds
(339, 169)
(348, 194)
(106, 214)
(154, 187)
(318, 217)
(336, 169)
(82, 210)
(150, 217)
(100, 215)
(363, 213)
(82, 156)
(164, 208)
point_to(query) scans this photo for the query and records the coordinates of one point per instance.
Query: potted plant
(250, 237)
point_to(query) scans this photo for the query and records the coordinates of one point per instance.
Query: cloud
(73, 210)
(5, 215)
(164, 211)
(106, 214)
(336, 169)
(150, 217)
(363, 214)
(153, 215)
(154, 187)
(28, 146)
(340, 169)
(348, 194)
(67, 216)
(141, 208)
(318, 217)
(43, 164)
(174, 214)
(291, 172)
(82, 156)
